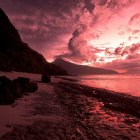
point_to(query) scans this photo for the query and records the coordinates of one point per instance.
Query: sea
(122, 83)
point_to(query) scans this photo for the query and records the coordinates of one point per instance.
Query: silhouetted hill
(134, 71)
(81, 69)
(17, 55)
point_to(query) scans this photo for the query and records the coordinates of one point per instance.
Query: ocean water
(129, 84)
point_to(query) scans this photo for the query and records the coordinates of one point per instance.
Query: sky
(99, 33)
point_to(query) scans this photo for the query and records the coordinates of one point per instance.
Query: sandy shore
(64, 110)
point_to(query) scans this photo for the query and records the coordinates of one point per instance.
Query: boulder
(25, 85)
(4, 80)
(17, 90)
(46, 78)
(32, 87)
(6, 94)
(22, 82)
(10, 90)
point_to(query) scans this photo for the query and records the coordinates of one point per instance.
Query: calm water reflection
(120, 83)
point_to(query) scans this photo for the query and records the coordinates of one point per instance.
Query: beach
(66, 110)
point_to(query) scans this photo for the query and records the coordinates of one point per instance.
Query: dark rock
(23, 79)
(114, 106)
(124, 107)
(22, 82)
(10, 90)
(46, 78)
(32, 87)
(6, 94)
(8, 125)
(6, 97)
(17, 90)
(9, 86)
(25, 85)
(4, 80)
(131, 121)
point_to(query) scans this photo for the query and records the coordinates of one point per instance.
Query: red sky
(101, 33)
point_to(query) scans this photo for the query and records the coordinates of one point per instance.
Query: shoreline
(122, 102)
(67, 110)
(99, 89)
(125, 84)
(87, 105)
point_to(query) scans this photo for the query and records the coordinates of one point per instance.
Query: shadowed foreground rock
(23, 82)
(46, 78)
(6, 91)
(32, 87)
(10, 90)
(26, 85)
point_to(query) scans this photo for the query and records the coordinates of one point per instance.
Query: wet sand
(65, 110)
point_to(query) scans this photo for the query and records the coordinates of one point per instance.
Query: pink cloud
(134, 18)
(135, 31)
(118, 51)
(101, 32)
(131, 61)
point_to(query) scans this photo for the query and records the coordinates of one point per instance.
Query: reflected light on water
(129, 84)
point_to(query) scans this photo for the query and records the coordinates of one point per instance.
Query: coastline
(114, 100)
(67, 110)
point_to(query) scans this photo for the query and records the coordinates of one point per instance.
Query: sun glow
(107, 44)
(121, 30)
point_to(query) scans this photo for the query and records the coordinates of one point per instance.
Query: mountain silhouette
(81, 69)
(17, 55)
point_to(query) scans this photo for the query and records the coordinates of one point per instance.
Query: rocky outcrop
(46, 78)
(11, 90)
(17, 55)
(6, 91)
(25, 84)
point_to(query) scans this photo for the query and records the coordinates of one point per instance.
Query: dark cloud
(132, 60)
(76, 45)
(74, 42)
(118, 51)
(43, 21)
(79, 30)
(128, 50)
(102, 2)
(78, 48)
(112, 4)
(52, 6)
(135, 48)
(89, 5)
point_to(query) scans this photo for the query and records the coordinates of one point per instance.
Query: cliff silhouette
(15, 55)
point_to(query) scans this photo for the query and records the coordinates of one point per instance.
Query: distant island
(81, 69)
